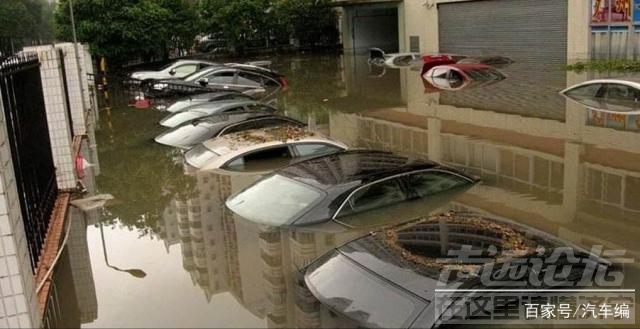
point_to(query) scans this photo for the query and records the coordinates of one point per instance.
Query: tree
(122, 30)
(26, 19)
(311, 22)
(242, 22)
(246, 23)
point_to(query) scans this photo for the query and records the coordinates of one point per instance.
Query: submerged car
(198, 99)
(260, 149)
(190, 134)
(238, 77)
(495, 61)
(621, 96)
(176, 70)
(342, 189)
(395, 278)
(395, 60)
(218, 107)
(459, 76)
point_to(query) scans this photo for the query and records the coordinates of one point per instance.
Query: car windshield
(274, 201)
(199, 156)
(167, 66)
(197, 74)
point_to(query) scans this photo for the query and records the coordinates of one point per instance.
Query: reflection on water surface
(542, 164)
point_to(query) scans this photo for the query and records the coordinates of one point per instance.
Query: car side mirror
(203, 82)
(172, 72)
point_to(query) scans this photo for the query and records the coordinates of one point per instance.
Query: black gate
(28, 135)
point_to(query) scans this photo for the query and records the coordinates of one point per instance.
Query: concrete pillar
(578, 34)
(572, 180)
(420, 19)
(57, 115)
(19, 308)
(434, 140)
(76, 88)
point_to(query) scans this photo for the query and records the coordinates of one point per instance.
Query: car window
(434, 181)
(234, 109)
(455, 75)
(618, 93)
(260, 107)
(250, 79)
(221, 77)
(239, 127)
(315, 149)
(268, 158)
(186, 69)
(440, 73)
(374, 196)
(587, 91)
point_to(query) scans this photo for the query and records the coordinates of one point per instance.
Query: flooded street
(167, 253)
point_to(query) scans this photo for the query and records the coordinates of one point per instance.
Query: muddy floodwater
(166, 253)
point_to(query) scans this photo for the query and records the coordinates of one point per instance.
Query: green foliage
(31, 19)
(605, 66)
(247, 23)
(310, 21)
(122, 30)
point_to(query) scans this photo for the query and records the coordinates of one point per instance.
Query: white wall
(18, 305)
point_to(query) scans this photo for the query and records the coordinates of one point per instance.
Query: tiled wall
(57, 115)
(76, 88)
(18, 300)
(18, 306)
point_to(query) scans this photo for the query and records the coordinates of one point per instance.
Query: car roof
(194, 61)
(405, 258)
(223, 103)
(632, 82)
(235, 118)
(464, 67)
(257, 138)
(351, 166)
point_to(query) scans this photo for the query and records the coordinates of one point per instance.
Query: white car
(178, 69)
(199, 99)
(211, 108)
(395, 60)
(261, 149)
(607, 95)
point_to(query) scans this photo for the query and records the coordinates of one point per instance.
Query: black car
(350, 189)
(190, 134)
(406, 277)
(237, 77)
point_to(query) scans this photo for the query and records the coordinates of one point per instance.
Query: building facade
(487, 27)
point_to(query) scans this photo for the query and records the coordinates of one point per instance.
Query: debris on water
(92, 202)
(513, 243)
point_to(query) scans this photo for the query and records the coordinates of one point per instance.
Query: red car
(459, 76)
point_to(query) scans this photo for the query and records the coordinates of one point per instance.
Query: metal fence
(28, 135)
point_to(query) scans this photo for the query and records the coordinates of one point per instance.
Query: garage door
(533, 33)
(518, 28)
